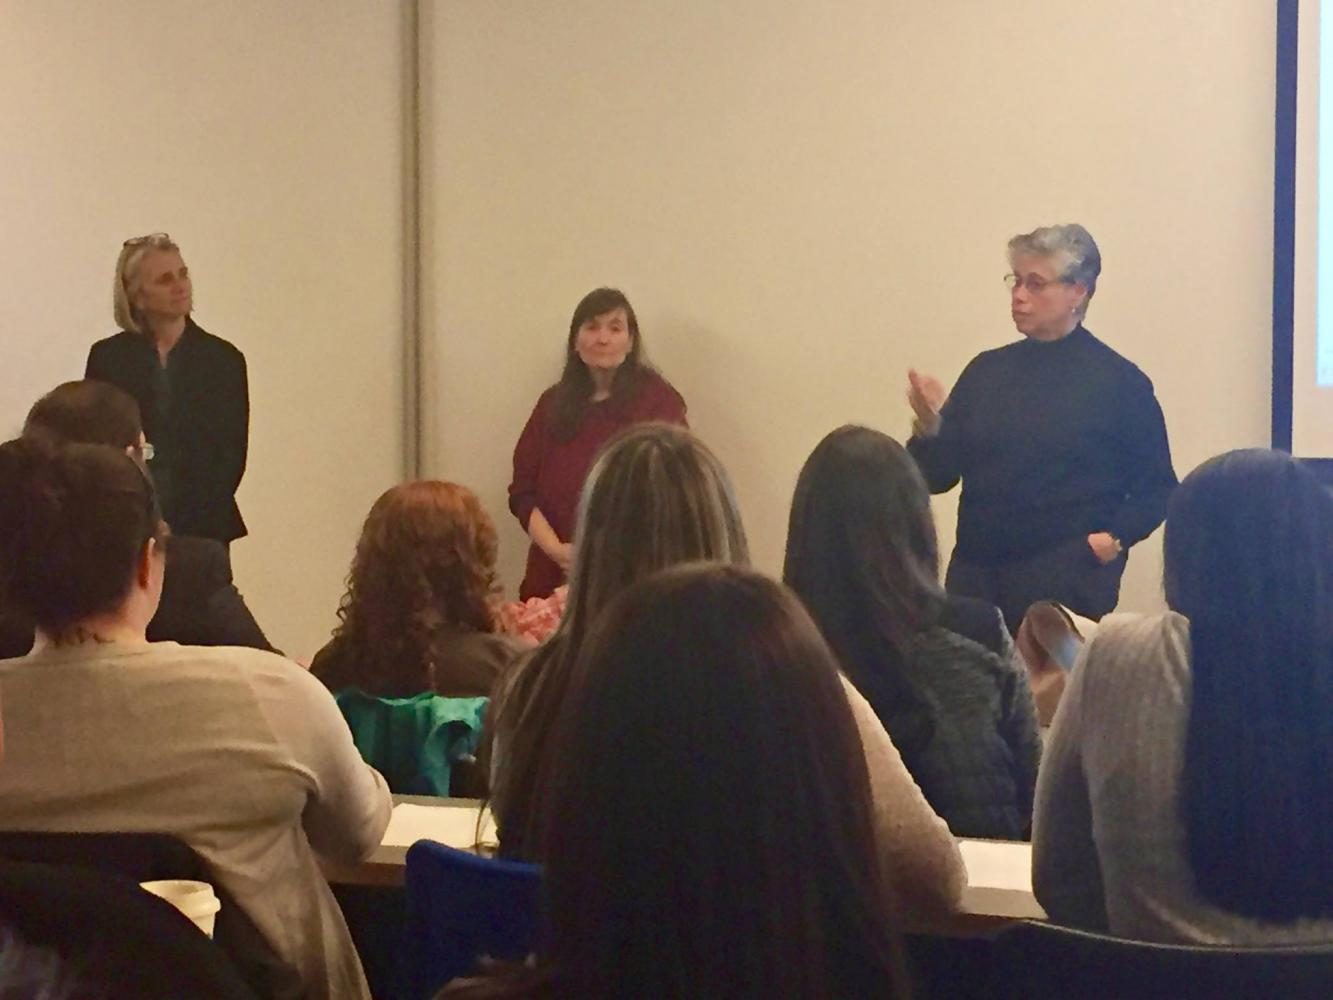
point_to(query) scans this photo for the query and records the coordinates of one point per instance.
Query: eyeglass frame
(1014, 281)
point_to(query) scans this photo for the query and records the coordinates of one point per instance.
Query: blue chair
(461, 907)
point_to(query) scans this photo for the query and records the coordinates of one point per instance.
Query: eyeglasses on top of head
(152, 239)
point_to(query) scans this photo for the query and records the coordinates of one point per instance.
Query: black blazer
(210, 421)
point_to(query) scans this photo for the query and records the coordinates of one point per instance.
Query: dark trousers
(1070, 574)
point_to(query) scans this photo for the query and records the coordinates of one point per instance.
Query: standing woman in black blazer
(191, 389)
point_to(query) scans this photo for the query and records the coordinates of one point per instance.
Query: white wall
(804, 199)
(266, 139)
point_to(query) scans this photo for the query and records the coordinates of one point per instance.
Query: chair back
(461, 907)
(144, 857)
(110, 937)
(414, 742)
(1037, 959)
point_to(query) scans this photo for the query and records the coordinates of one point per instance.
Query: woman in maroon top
(606, 386)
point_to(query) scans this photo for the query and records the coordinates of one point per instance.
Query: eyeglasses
(147, 451)
(1034, 283)
(152, 239)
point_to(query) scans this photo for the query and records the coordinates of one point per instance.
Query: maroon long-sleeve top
(549, 473)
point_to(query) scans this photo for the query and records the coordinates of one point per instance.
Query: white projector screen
(1303, 230)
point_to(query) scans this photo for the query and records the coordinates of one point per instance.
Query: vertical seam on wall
(1284, 225)
(411, 150)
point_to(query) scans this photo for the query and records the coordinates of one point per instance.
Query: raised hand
(926, 395)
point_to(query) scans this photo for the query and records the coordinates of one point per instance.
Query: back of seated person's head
(863, 557)
(656, 496)
(79, 526)
(87, 412)
(424, 564)
(710, 820)
(1248, 559)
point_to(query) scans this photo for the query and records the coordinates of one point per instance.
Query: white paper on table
(999, 879)
(454, 826)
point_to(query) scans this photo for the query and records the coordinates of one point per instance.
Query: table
(999, 884)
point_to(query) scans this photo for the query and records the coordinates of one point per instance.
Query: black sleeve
(943, 458)
(96, 367)
(1144, 461)
(234, 411)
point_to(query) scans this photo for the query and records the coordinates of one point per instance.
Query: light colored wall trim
(411, 217)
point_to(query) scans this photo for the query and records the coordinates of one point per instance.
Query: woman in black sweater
(1059, 442)
(938, 670)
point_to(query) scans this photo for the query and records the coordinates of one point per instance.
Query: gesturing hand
(926, 395)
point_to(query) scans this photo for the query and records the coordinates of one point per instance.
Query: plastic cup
(195, 899)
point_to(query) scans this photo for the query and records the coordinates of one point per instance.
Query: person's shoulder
(992, 359)
(974, 619)
(470, 664)
(655, 388)
(1125, 644)
(1114, 360)
(234, 664)
(213, 344)
(119, 343)
(497, 645)
(546, 400)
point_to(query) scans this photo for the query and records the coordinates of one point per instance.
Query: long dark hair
(863, 557)
(73, 523)
(1249, 561)
(656, 496)
(574, 390)
(709, 830)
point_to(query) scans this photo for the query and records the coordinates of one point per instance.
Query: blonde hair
(132, 253)
(656, 497)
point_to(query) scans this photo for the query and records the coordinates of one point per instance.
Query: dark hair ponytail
(73, 521)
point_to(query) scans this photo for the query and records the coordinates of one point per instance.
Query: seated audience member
(656, 496)
(938, 670)
(708, 828)
(420, 612)
(1186, 789)
(200, 604)
(238, 752)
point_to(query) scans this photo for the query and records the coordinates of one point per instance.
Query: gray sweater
(1108, 845)
(240, 753)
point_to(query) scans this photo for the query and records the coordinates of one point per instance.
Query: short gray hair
(1077, 259)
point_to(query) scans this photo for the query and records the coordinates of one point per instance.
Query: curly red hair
(425, 564)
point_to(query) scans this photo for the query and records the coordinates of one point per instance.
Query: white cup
(195, 899)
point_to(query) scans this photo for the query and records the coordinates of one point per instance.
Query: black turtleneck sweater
(1053, 440)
